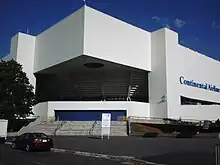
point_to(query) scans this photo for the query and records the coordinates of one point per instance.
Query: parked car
(32, 141)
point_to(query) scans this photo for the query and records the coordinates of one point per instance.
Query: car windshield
(39, 135)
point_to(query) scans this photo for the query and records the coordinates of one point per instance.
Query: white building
(91, 63)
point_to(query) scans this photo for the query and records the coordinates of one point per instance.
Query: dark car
(32, 141)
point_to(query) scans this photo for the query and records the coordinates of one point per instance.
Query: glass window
(23, 136)
(39, 135)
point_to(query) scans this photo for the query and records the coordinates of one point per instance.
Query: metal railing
(58, 127)
(92, 129)
(31, 124)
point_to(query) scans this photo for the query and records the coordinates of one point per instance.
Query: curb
(105, 156)
(88, 154)
(101, 156)
(94, 155)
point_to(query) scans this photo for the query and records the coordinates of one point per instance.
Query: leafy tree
(16, 93)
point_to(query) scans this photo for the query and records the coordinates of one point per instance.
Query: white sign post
(106, 124)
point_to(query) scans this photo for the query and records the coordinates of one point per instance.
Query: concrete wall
(41, 110)
(133, 108)
(169, 61)
(90, 32)
(191, 65)
(22, 50)
(25, 55)
(157, 77)
(116, 41)
(172, 69)
(199, 112)
(61, 42)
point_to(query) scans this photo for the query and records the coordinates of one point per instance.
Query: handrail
(58, 127)
(29, 125)
(157, 118)
(37, 121)
(93, 126)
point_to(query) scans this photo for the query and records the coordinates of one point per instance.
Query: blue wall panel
(87, 115)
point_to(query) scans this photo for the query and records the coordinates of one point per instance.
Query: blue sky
(196, 21)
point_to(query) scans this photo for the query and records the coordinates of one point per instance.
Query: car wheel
(13, 145)
(28, 148)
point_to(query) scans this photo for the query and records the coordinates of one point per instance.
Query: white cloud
(215, 25)
(167, 26)
(155, 18)
(179, 23)
(166, 22)
(163, 21)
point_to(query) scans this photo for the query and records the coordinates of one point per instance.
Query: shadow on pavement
(94, 137)
(183, 158)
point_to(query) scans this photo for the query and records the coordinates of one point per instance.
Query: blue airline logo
(195, 84)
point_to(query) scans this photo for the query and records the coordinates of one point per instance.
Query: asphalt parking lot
(168, 151)
(9, 156)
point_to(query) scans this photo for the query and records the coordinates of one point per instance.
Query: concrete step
(87, 134)
(78, 128)
(82, 133)
(46, 127)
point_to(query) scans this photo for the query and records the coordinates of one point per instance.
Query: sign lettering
(196, 84)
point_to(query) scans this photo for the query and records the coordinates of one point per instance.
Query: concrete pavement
(135, 146)
(9, 156)
(160, 150)
(123, 159)
(183, 158)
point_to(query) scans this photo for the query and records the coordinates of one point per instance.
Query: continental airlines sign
(195, 84)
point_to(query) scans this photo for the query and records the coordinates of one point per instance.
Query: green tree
(16, 93)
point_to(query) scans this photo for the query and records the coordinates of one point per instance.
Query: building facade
(90, 63)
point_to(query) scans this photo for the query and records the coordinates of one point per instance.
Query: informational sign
(106, 124)
(106, 120)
